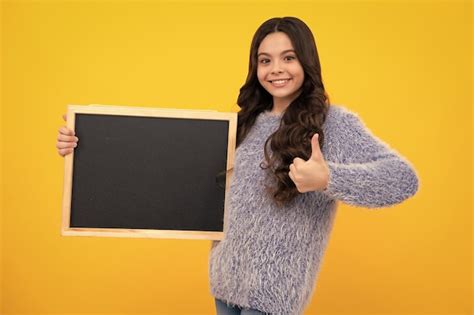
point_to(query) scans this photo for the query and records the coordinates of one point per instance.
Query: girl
(296, 156)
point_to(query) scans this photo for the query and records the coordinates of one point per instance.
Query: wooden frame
(67, 230)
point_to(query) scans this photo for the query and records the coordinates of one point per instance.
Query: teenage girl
(296, 156)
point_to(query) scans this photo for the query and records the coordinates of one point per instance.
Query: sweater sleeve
(368, 172)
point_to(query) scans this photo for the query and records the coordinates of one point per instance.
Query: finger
(297, 161)
(292, 177)
(65, 145)
(292, 168)
(65, 138)
(315, 149)
(66, 131)
(64, 152)
(65, 117)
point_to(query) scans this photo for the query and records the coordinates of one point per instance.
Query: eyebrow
(282, 53)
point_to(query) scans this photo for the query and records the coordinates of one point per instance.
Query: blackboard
(148, 172)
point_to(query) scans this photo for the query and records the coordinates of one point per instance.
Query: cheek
(300, 74)
(301, 79)
(261, 75)
(299, 71)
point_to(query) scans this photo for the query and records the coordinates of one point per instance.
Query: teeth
(280, 81)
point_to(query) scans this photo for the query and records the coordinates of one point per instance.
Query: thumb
(315, 149)
(65, 117)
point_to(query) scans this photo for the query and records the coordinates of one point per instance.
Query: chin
(282, 95)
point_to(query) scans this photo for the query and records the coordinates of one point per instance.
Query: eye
(290, 57)
(264, 61)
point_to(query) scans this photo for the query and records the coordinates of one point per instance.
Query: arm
(369, 173)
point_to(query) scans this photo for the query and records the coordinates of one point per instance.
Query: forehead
(275, 42)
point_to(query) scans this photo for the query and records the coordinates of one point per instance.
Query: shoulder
(339, 117)
(338, 111)
(346, 123)
(349, 139)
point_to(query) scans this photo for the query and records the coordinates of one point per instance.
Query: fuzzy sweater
(270, 256)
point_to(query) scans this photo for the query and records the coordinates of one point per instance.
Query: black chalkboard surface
(148, 172)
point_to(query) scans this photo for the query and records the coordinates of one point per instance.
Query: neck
(281, 104)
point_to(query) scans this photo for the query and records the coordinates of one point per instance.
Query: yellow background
(405, 67)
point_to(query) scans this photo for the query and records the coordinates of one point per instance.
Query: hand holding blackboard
(67, 140)
(146, 172)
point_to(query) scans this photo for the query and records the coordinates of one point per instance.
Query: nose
(276, 68)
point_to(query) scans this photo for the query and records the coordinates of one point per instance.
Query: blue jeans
(223, 309)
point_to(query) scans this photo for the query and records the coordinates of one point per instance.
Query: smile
(280, 83)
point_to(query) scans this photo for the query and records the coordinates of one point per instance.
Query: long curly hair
(303, 117)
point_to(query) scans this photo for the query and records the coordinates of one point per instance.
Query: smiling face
(278, 70)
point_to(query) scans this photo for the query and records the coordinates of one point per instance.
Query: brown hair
(303, 117)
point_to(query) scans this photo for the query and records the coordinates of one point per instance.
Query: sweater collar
(269, 115)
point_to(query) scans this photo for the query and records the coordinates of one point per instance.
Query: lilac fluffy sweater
(269, 257)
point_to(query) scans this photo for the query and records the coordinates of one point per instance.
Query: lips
(279, 82)
(286, 79)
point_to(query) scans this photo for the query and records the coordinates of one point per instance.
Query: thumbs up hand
(313, 174)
